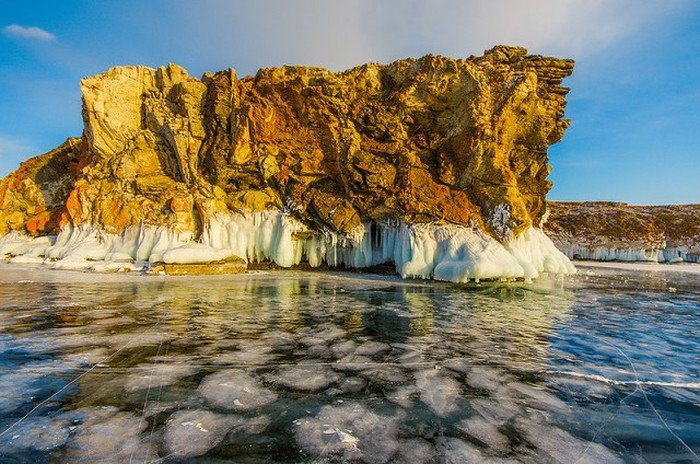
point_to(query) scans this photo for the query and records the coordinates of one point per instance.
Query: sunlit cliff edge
(436, 165)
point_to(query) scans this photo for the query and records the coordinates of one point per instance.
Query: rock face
(33, 198)
(431, 140)
(609, 231)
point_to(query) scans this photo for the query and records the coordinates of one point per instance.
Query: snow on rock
(84, 247)
(662, 254)
(15, 244)
(441, 251)
(234, 390)
(613, 231)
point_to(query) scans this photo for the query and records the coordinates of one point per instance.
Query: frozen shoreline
(688, 268)
(444, 252)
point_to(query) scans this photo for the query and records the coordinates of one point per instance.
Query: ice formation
(655, 254)
(443, 252)
(428, 250)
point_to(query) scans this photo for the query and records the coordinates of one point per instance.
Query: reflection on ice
(302, 367)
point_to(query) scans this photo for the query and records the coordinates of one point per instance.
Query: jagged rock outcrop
(430, 140)
(610, 231)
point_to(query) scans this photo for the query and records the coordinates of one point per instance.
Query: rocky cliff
(608, 231)
(341, 158)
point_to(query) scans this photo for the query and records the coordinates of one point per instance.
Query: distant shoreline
(688, 268)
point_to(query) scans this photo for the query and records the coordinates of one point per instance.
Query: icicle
(443, 252)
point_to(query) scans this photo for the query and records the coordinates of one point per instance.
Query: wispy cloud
(343, 34)
(10, 146)
(30, 33)
(12, 150)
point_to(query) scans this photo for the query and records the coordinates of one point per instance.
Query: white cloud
(32, 33)
(274, 32)
(571, 28)
(339, 34)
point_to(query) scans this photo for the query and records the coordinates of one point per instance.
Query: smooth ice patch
(234, 390)
(35, 434)
(157, 375)
(536, 398)
(415, 451)
(109, 435)
(349, 432)
(486, 432)
(192, 433)
(30, 382)
(441, 394)
(371, 348)
(456, 451)
(561, 446)
(310, 378)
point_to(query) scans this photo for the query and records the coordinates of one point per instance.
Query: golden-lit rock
(233, 265)
(33, 198)
(431, 139)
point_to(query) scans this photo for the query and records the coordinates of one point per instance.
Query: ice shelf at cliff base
(443, 252)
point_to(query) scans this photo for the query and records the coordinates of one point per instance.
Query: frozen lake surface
(310, 367)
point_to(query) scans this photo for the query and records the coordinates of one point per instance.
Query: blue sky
(635, 100)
